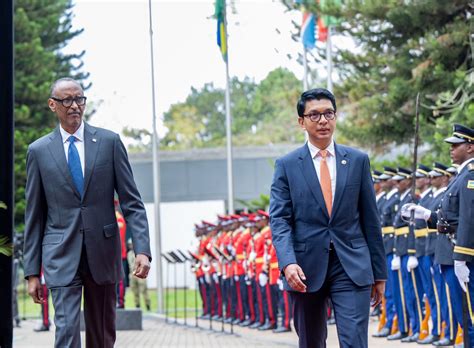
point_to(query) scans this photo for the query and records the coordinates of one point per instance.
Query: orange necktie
(325, 180)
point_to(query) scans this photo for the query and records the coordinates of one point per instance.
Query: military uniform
(388, 207)
(412, 293)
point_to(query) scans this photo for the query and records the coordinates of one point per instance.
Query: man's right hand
(294, 276)
(35, 290)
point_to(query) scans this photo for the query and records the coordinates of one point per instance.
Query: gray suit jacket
(59, 222)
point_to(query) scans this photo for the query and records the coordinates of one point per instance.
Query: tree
(42, 29)
(420, 46)
(262, 113)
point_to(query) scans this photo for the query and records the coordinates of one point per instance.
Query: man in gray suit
(71, 229)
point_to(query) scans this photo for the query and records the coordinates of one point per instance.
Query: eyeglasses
(67, 102)
(316, 116)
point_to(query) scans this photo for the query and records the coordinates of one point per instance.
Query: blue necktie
(74, 163)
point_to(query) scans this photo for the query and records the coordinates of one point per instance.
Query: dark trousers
(99, 310)
(351, 307)
(285, 307)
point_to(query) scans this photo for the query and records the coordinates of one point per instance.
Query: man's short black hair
(58, 81)
(316, 93)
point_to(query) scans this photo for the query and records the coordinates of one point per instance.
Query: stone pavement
(157, 333)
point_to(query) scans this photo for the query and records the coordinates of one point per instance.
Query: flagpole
(329, 59)
(305, 66)
(156, 178)
(228, 118)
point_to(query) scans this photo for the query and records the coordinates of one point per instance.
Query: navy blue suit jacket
(302, 229)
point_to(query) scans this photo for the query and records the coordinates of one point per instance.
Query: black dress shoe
(205, 316)
(382, 333)
(256, 325)
(228, 320)
(428, 339)
(246, 323)
(41, 328)
(410, 339)
(236, 321)
(443, 342)
(216, 317)
(267, 326)
(281, 329)
(397, 336)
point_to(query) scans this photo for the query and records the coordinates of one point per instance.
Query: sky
(117, 43)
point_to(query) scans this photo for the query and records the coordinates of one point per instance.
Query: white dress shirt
(79, 142)
(425, 192)
(330, 160)
(439, 191)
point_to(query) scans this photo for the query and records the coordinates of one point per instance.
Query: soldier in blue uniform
(405, 259)
(461, 200)
(455, 224)
(425, 268)
(393, 292)
(440, 177)
(380, 199)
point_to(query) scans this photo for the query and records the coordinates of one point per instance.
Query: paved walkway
(157, 333)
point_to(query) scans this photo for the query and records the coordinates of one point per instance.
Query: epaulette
(470, 167)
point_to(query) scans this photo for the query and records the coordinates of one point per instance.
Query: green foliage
(420, 46)
(262, 113)
(255, 204)
(42, 29)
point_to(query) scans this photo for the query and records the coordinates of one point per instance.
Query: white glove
(263, 279)
(420, 212)
(252, 256)
(412, 263)
(215, 277)
(207, 278)
(280, 284)
(462, 272)
(236, 278)
(405, 210)
(396, 263)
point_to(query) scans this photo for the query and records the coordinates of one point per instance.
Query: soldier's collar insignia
(470, 184)
(471, 166)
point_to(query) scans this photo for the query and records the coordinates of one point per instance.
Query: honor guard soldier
(439, 180)
(462, 153)
(406, 261)
(380, 199)
(393, 299)
(455, 221)
(423, 185)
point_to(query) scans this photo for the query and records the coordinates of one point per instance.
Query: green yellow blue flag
(221, 28)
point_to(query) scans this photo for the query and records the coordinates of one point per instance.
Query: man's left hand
(378, 290)
(142, 266)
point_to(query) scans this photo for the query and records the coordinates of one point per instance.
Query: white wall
(177, 232)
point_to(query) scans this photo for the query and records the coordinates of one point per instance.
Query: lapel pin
(344, 162)
(94, 140)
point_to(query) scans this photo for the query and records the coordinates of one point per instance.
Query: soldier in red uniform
(122, 284)
(44, 307)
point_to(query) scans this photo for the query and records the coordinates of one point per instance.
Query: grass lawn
(28, 309)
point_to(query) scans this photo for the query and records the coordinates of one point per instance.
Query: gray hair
(58, 81)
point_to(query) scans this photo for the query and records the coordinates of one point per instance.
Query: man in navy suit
(326, 229)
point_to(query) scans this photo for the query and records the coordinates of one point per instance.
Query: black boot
(397, 336)
(382, 333)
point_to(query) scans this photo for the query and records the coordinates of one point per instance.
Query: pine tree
(42, 29)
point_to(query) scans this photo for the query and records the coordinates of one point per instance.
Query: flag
(326, 19)
(322, 30)
(308, 37)
(308, 27)
(221, 27)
